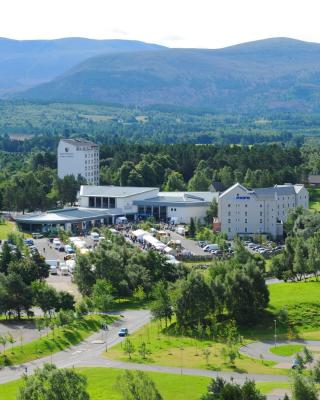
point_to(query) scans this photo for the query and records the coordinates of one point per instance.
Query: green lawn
(286, 350)
(314, 202)
(177, 351)
(5, 228)
(61, 339)
(301, 301)
(267, 387)
(101, 385)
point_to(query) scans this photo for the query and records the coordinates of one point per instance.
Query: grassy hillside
(276, 74)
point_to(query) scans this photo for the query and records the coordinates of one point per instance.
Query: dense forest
(43, 123)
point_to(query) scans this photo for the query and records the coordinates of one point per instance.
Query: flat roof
(113, 191)
(79, 142)
(182, 199)
(66, 215)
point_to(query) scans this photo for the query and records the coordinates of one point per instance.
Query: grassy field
(286, 350)
(177, 351)
(5, 228)
(101, 385)
(61, 339)
(314, 202)
(300, 300)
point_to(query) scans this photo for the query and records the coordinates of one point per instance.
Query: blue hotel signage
(242, 197)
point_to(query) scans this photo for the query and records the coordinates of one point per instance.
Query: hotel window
(246, 213)
(260, 213)
(229, 213)
(260, 221)
(245, 221)
(229, 205)
(229, 230)
(245, 229)
(246, 205)
(229, 221)
(260, 205)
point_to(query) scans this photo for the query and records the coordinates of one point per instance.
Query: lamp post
(181, 359)
(275, 332)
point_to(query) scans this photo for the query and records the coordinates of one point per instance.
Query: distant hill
(25, 63)
(273, 74)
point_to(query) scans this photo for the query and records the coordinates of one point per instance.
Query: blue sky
(175, 23)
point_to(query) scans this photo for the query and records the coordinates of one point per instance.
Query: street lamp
(181, 359)
(275, 332)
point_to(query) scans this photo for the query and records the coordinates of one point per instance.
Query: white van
(53, 270)
(56, 243)
(95, 236)
(53, 263)
(210, 247)
(64, 269)
(121, 220)
(71, 265)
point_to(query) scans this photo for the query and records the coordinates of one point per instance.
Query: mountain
(274, 74)
(24, 63)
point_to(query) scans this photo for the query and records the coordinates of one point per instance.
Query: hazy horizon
(198, 24)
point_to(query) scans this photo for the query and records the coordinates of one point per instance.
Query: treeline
(156, 124)
(180, 167)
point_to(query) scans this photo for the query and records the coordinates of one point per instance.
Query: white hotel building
(241, 211)
(245, 212)
(79, 157)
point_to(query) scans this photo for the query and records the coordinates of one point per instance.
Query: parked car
(37, 235)
(29, 242)
(53, 270)
(64, 270)
(123, 332)
(69, 249)
(297, 364)
(210, 247)
(94, 236)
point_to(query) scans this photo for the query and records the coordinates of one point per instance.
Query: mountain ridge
(274, 74)
(25, 63)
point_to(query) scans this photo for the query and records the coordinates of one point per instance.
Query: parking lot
(265, 249)
(58, 281)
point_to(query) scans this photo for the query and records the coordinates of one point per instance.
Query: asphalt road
(255, 349)
(87, 351)
(90, 352)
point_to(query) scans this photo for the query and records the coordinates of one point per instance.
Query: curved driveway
(89, 354)
(258, 349)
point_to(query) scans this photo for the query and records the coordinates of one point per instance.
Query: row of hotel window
(245, 221)
(292, 205)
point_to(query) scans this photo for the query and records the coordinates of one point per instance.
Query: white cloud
(179, 23)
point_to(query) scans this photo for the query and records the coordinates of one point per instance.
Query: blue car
(123, 332)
